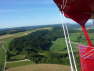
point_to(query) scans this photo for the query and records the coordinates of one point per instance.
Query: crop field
(41, 67)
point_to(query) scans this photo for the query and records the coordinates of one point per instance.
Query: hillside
(45, 45)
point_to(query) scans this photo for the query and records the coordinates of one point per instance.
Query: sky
(17, 13)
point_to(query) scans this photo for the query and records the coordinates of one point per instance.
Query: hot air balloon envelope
(78, 10)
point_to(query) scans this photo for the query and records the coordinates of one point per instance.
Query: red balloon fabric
(86, 58)
(78, 10)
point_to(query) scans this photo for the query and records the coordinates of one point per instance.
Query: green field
(59, 45)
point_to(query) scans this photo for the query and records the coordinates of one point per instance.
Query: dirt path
(41, 67)
(19, 61)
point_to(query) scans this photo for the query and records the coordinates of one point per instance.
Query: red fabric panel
(79, 18)
(78, 10)
(86, 58)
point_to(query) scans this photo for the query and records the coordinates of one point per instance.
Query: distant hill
(22, 29)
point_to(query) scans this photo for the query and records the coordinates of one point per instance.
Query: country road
(18, 61)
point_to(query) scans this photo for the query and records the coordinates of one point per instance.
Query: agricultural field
(41, 67)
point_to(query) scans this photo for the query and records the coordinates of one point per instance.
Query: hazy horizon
(17, 13)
